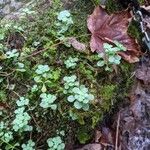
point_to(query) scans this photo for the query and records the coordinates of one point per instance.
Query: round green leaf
(71, 98)
(100, 63)
(77, 105)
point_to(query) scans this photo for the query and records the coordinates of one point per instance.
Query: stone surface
(13, 9)
(7, 9)
(94, 146)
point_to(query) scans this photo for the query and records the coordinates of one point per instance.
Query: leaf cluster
(110, 55)
(48, 101)
(78, 94)
(71, 62)
(55, 143)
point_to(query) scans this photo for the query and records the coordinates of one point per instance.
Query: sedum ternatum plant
(55, 143)
(22, 118)
(12, 53)
(29, 146)
(81, 97)
(22, 101)
(71, 62)
(5, 134)
(43, 76)
(69, 83)
(48, 101)
(42, 69)
(110, 55)
(64, 21)
(77, 94)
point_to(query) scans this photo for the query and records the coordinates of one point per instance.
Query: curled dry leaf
(81, 47)
(107, 28)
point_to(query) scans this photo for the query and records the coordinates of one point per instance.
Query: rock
(2, 2)
(13, 9)
(16, 5)
(93, 146)
(135, 119)
(6, 10)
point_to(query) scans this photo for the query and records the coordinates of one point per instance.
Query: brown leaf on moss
(107, 28)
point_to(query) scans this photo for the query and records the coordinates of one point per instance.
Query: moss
(86, 71)
(3, 96)
(112, 6)
(126, 74)
(43, 30)
(134, 31)
(107, 93)
(141, 2)
(80, 12)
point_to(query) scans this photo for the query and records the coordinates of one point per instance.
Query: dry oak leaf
(107, 28)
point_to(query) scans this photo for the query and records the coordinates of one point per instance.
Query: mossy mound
(34, 41)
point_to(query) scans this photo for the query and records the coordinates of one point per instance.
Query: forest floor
(53, 93)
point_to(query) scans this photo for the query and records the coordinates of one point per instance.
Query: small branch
(45, 49)
(40, 51)
(117, 132)
(5, 74)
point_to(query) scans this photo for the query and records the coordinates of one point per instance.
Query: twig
(40, 51)
(61, 42)
(5, 74)
(117, 132)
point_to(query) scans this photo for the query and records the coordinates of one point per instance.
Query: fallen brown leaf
(107, 28)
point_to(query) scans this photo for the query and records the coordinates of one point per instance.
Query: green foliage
(20, 67)
(55, 143)
(44, 77)
(71, 62)
(22, 118)
(110, 57)
(81, 97)
(112, 6)
(69, 83)
(49, 98)
(5, 134)
(107, 93)
(96, 2)
(48, 101)
(65, 20)
(3, 96)
(83, 136)
(134, 31)
(22, 101)
(42, 69)
(78, 94)
(12, 53)
(29, 146)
